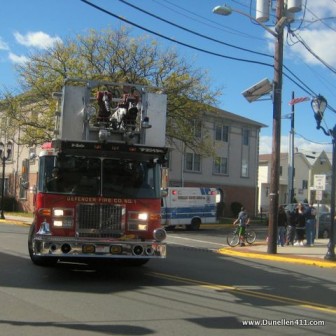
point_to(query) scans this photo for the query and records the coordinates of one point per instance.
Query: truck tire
(194, 225)
(38, 260)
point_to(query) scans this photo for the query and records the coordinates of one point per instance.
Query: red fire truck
(98, 194)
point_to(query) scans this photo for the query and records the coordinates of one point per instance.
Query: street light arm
(324, 130)
(226, 10)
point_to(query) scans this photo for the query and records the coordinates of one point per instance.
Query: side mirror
(164, 192)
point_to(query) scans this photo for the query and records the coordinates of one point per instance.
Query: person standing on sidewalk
(282, 223)
(290, 231)
(300, 225)
(310, 215)
(243, 220)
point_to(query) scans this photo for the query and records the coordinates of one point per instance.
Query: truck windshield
(99, 177)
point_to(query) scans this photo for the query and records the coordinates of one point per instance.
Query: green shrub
(9, 203)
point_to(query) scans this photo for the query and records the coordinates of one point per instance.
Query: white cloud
(3, 45)
(317, 32)
(265, 145)
(321, 42)
(320, 9)
(17, 59)
(38, 40)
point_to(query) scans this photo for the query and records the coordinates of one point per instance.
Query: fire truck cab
(98, 190)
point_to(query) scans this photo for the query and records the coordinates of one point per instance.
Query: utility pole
(275, 166)
(291, 157)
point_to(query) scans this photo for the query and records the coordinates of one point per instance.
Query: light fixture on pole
(319, 104)
(226, 10)
(277, 98)
(4, 158)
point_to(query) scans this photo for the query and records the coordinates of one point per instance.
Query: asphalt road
(195, 291)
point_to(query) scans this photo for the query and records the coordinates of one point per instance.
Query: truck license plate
(102, 249)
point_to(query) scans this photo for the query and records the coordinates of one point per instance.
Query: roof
(268, 157)
(309, 156)
(235, 117)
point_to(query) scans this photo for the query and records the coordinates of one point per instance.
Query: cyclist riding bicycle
(243, 220)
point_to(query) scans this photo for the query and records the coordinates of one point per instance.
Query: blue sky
(27, 26)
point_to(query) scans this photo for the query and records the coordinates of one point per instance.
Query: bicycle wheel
(250, 237)
(232, 239)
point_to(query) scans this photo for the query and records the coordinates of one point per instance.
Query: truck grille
(100, 220)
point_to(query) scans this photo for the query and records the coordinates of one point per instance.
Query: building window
(24, 180)
(32, 155)
(304, 184)
(244, 168)
(222, 133)
(197, 128)
(23, 190)
(246, 135)
(192, 162)
(5, 185)
(220, 165)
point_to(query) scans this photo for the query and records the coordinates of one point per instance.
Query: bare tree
(112, 55)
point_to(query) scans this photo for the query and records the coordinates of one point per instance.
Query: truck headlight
(137, 221)
(64, 222)
(143, 216)
(63, 218)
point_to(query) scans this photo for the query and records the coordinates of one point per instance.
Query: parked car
(292, 206)
(324, 225)
(323, 208)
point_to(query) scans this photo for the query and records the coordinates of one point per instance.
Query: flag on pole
(298, 100)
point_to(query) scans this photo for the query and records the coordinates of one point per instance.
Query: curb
(14, 222)
(278, 257)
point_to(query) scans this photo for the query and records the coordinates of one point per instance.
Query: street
(195, 291)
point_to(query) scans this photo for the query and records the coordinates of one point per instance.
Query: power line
(304, 87)
(330, 86)
(212, 23)
(174, 40)
(193, 32)
(315, 142)
(301, 40)
(319, 19)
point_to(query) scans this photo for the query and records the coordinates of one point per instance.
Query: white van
(189, 207)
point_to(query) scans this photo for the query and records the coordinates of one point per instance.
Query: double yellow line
(241, 291)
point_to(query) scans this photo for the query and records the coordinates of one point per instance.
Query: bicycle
(233, 238)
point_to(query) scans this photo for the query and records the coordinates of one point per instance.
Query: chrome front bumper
(63, 247)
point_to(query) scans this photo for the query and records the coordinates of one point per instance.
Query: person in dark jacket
(282, 223)
(300, 225)
(290, 231)
(310, 214)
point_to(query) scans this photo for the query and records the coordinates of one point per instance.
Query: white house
(306, 166)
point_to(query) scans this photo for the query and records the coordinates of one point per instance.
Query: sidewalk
(306, 255)
(20, 220)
